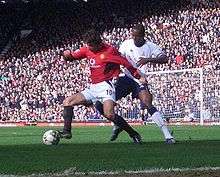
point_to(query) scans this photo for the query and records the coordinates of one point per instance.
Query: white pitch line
(72, 171)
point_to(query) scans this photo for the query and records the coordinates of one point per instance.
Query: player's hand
(67, 55)
(142, 61)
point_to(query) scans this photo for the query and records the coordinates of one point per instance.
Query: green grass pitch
(22, 151)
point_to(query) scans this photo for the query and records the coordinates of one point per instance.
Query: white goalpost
(195, 93)
(192, 78)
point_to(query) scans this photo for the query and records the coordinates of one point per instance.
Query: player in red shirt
(104, 61)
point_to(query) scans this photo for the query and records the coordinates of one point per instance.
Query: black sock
(152, 110)
(68, 116)
(119, 121)
(99, 107)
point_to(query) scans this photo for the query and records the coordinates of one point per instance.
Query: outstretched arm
(74, 55)
(156, 55)
(161, 59)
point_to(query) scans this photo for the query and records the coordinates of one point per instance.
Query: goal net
(188, 95)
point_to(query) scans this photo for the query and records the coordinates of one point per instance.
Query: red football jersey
(99, 60)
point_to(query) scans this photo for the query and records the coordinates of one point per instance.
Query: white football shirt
(133, 53)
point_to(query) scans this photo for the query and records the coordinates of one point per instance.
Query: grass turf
(22, 151)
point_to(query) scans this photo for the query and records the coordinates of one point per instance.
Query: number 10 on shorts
(109, 92)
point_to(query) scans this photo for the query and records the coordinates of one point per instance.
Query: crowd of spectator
(35, 78)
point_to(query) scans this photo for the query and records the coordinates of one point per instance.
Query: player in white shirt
(140, 52)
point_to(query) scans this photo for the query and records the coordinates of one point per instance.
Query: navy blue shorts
(125, 85)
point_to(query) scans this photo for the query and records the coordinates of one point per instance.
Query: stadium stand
(35, 78)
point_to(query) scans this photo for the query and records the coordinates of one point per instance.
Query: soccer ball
(51, 137)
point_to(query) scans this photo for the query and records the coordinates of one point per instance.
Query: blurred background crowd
(34, 78)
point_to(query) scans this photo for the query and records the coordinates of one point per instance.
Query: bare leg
(68, 103)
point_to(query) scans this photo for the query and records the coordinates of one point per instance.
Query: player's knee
(146, 101)
(67, 102)
(148, 96)
(110, 116)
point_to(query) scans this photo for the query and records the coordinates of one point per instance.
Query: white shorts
(100, 92)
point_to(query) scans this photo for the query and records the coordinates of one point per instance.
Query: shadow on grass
(19, 135)
(117, 156)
